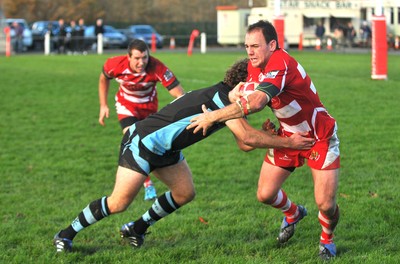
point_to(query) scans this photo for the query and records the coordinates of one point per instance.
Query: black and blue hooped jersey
(165, 131)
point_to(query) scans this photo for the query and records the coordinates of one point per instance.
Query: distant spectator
(99, 28)
(365, 33)
(338, 33)
(320, 31)
(62, 36)
(74, 37)
(350, 34)
(18, 37)
(81, 35)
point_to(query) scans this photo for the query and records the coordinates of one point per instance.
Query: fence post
(8, 41)
(47, 43)
(153, 43)
(100, 43)
(203, 42)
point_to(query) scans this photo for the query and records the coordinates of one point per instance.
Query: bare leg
(325, 188)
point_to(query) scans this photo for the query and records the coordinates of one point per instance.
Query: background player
(137, 74)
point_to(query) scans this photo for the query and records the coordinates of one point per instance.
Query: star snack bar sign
(316, 4)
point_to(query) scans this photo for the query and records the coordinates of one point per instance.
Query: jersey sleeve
(165, 75)
(109, 67)
(268, 88)
(274, 75)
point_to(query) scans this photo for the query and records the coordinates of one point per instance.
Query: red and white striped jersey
(139, 87)
(297, 105)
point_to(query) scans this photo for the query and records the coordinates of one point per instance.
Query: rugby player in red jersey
(137, 74)
(285, 87)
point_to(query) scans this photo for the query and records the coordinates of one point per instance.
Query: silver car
(112, 38)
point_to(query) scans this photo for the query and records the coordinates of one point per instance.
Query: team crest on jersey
(275, 102)
(168, 75)
(314, 155)
(269, 75)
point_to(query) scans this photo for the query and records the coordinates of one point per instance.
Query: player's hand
(235, 93)
(269, 127)
(201, 122)
(104, 113)
(301, 141)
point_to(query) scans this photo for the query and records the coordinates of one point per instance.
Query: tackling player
(137, 74)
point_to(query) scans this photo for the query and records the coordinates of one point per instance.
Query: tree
(120, 11)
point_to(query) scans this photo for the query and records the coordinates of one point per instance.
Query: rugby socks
(162, 206)
(328, 226)
(147, 182)
(289, 209)
(94, 212)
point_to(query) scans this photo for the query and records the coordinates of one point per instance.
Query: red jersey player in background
(287, 89)
(137, 74)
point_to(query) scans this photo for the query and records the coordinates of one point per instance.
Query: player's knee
(327, 207)
(183, 198)
(190, 196)
(264, 197)
(117, 206)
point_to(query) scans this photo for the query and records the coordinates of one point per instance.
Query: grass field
(55, 159)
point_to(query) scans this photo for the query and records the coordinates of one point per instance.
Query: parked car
(27, 40)
(145, 33)
(39, 29)
(112, 38)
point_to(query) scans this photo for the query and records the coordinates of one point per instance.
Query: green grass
(55, 159)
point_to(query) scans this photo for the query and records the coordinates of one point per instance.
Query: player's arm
(251, 103)
(177, 91)
(237, 129)
(104, 85)
(249, 138)
(235, 93)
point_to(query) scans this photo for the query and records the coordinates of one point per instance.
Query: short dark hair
(139, 45)
(267, 29)
(236, 73)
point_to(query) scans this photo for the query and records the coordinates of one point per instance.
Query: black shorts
(135, 156)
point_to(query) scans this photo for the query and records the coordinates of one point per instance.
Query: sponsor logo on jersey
(285, 157)
(126, 71)
(168, 75)
(270, 75)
